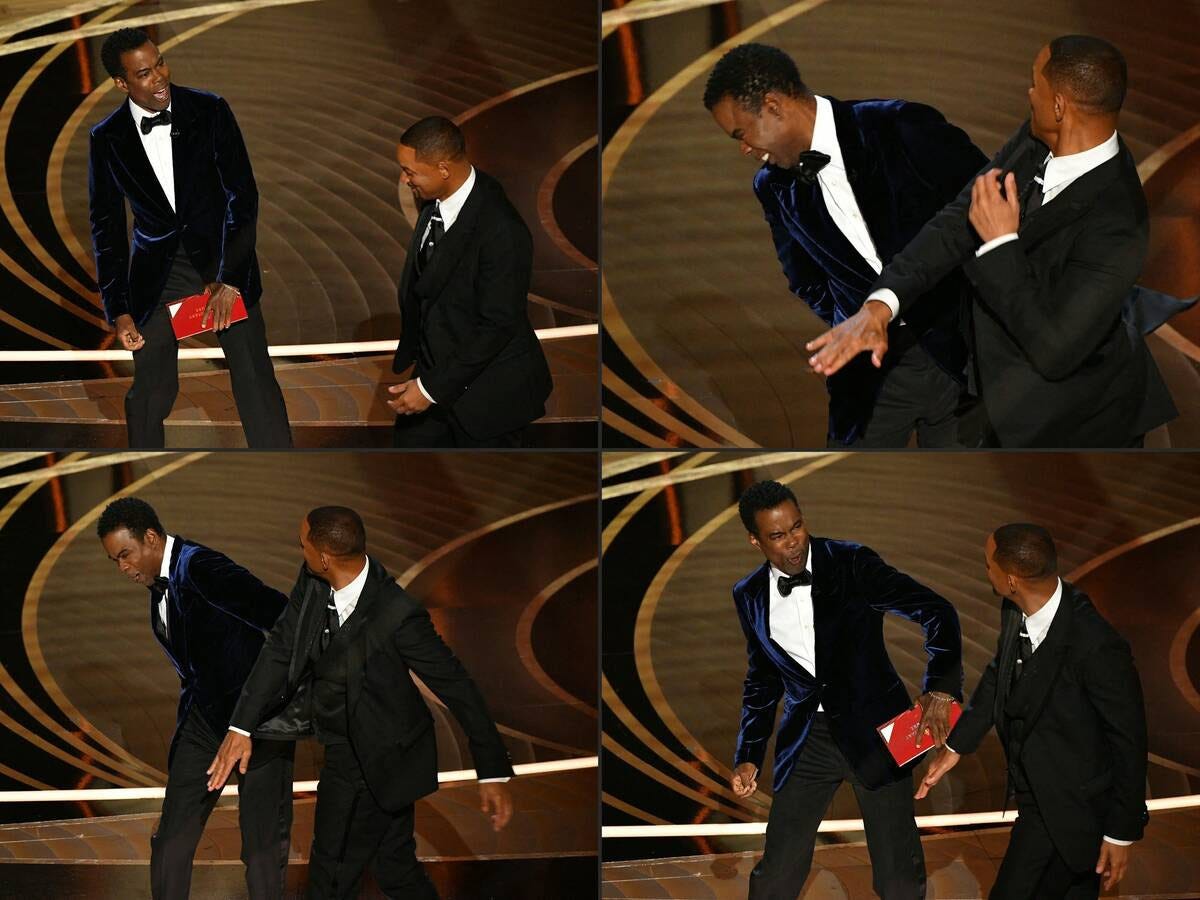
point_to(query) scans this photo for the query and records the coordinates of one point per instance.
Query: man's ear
(121, 83)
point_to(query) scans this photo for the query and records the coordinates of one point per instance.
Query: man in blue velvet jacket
(177, 156)
(844, 187)
(812, 614)
(211, 617)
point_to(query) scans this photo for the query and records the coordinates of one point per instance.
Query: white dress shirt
(164, 571)
(157, 145)
(1061, 171)
(449, 210)
(792, 625)
(835, 187)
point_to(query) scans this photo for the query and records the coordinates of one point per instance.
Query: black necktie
(148, 122)
(787, 582)
(1024, 654)
(433, 235)
(809, 164)
(332, 623)
(1034, 191)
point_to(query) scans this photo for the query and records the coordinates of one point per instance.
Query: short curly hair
(747, 72)
(121, 41)
(131, 513)
(762, 495)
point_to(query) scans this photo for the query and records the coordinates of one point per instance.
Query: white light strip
(298, 787)
(946, 821)
(342, 349)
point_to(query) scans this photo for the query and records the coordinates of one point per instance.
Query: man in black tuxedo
(844, 186)
(340, 660)
(210, 615)
(177, 156)
(477, 373)
(1052, 238)
(1066, 701)
(812, 616)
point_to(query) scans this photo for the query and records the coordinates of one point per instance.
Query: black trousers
(916, 395)
(156, 372)
(437, 427)
(264, 813)
(351, 829)
(1032, 869)
(897, 859)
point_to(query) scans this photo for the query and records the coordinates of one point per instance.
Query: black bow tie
(809, 164)
(148, 122)
(160, 584)
(787, 582)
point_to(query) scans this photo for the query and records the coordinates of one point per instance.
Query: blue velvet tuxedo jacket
(855, 681)
(218, 616)
(216, 205)
(904, 162)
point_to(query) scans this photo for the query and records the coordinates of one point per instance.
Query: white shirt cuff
(421, 388)
(492, 780)
(996, 242)
(1118, 843)
(888, 298)
(239, 731)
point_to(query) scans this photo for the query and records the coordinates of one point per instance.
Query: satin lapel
(186, 142)
(454, 242)
(803, 206)
(414, 247)
(176, 632)
(1010, 628)
(826, 607)
(310, 623)
(132, 155)
(1076, 199)
(358, 622)
(1047, 661)
(863, 172)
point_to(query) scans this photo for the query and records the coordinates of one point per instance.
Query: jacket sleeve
(241, 200)
(979, 714)
(946, 242)
(760, 697)
(890, 591)
(236, 592)
(1115, 691)
(1058, 324)
(110, 237)
(267, 684)
(805, 279)
(422, 649)
(501, 289)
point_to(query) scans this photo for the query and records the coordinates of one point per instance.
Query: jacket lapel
(176, 632)
(185, 143)
(360, 619)
(133, 156)
(414, 247)
(1037, 682)
(1074, 200)
(824, 599)
(864, 175)
(454, 242)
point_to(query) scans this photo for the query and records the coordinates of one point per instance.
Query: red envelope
(900, 733)
(186, 313)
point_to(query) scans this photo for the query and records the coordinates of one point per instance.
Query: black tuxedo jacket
(217, 618)
(216, 205)
(464, 320)
(391, 637)
(904, 162)
(855, 681)
(1082, 737)
(1056, 364)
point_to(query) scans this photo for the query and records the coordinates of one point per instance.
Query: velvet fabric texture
(217, 618)
(855, 681)
(216, 205)
(465, 320)
(1075, 722)
(904, 162)
(389, 637)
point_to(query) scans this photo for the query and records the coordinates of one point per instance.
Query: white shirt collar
(452, 205)
(140, 112)
(1062, 170)
(347, 598)
(824, 138)
(1038, 624)
(164, 570)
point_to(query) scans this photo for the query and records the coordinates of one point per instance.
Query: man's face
(782, 537)
(140, 561)
(1041, 100)
(147, 79)
(765, 135)
(312, 556)
(426, 180)
(996, 576)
